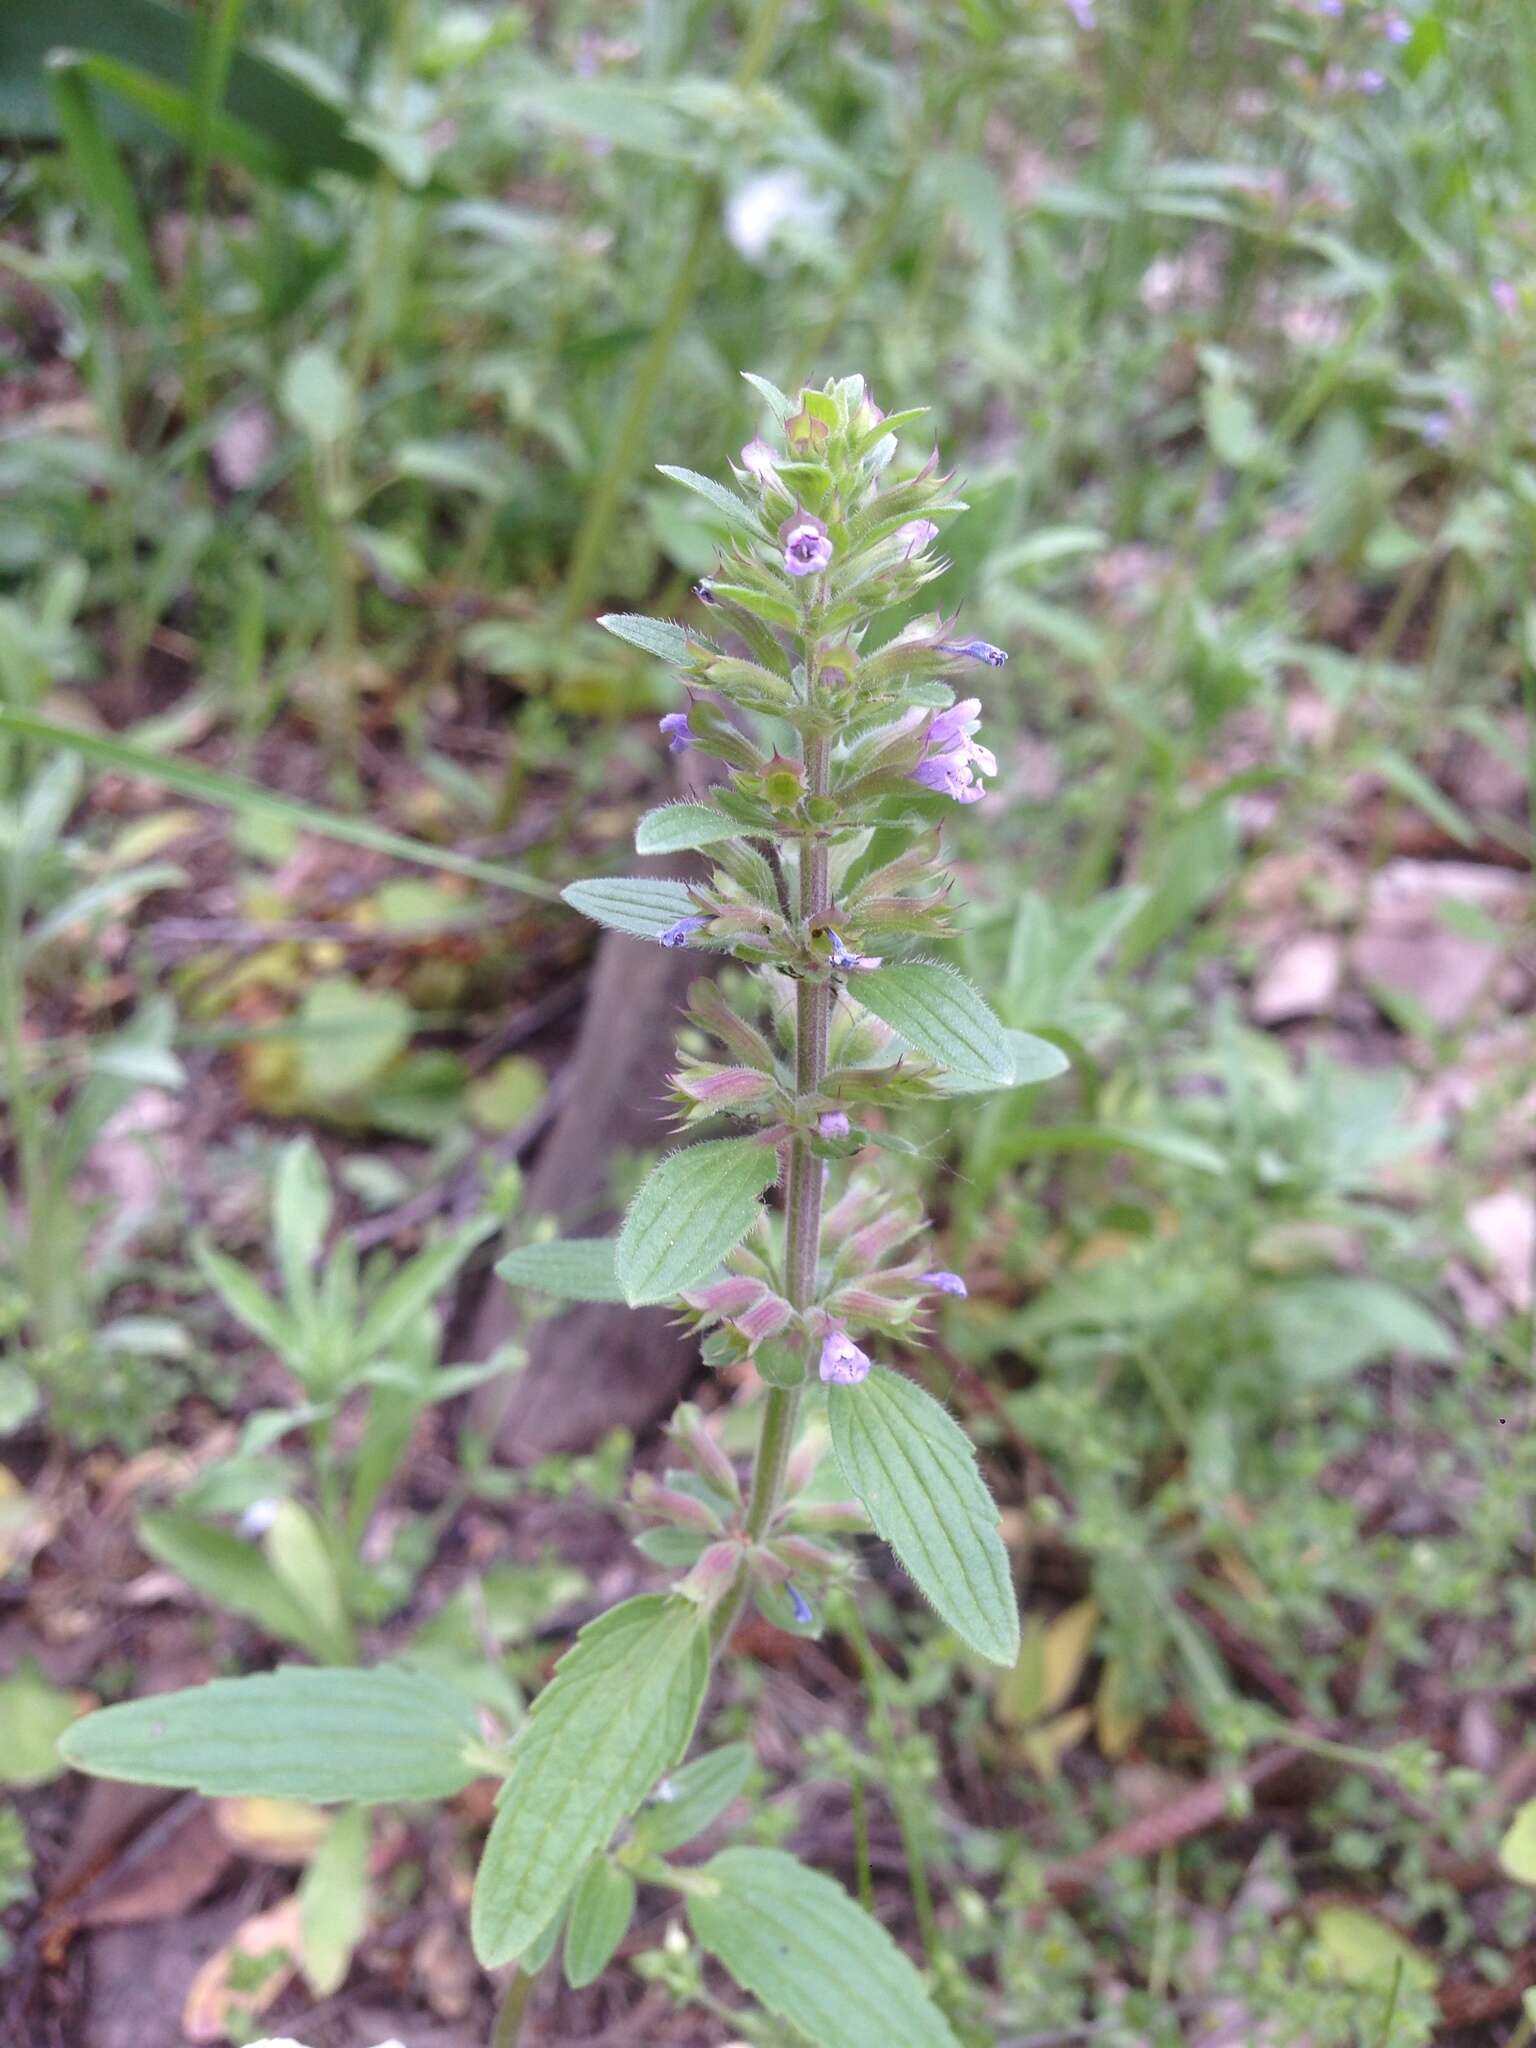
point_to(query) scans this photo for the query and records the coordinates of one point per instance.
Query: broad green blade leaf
(179, 115)
(233, 1574)
(333, 1902)
(618, 1712)
(661, 637)
(162, 40)
(684, 1803)
(248, 799)
(914, 1469)
(632, 903)
(675, 827)
(106, 188)
(697, 1205)
(341, 1737)
(245, 1298)
(572, 1268)
(800, 1945)
(938, 1013)
(736, 511)
(600, 1917)
(302, 1563)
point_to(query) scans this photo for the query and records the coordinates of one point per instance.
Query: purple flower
(843, 1364)
(677, 732)
(915, 536)
(703, 590)
(1370, 82)
(678, 934)
(1083, 14)
(1504, 295)
(799, 1604)
(1397, 28)
(975, 650)
(807, 548)
(950, 765)
(757, 459)
(849, 962)
(833, 1123)
(946, 1283)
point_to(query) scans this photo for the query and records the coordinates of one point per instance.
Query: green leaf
(1329, 1324)
(796, 1941)
(105, 187)
(781, 406)
(302, 1563)
(233, 1574)
(939, 1013)
(416, 1284)
(301, 1215)
(1369, 1953)
(684, 1804)
(348, 1033)
(342, 1737)
(33, 1715)
(600, 1915)
(245, 1298)
(736, 511)
(317, 396)
(675, 827)
(914, 1469)
(1034, 1059)
(248, 801)
(1517, 1850)
(333, 1902)
(697, 1205)
(636, 904)
(618, 1712)
(572, 1268)
(162, 40)
(661, 637)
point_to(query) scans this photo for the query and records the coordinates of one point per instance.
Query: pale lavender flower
(1397, 28)
(807, 548)
(843, 1364)
(852, 963)
(799, 1603)
(1083, 14)
(1370, 82)
(1504, 295)
(953, 758)
(975, 650)
(833, 1123)
(946, 1283)
(679, 934)
(703, 590)
(915, 536)
(677, 732)
(757, 459)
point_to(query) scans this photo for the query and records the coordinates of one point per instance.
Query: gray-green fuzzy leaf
(661, 637)
(939, 1013)
(345, 1737)
(736, 511)
(914, 1469)
(636, 904)
(618, 1712)
(697, 1205)
(675, 827)
(571, 1268)
(685, 1803)
(800, 1945)
(1034, 1060)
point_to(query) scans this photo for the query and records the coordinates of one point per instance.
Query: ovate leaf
(333, 1902)
(697, 1205)
(618, 1712)
(233, 1574)
(572, 1268)
(939, 1013)
(632, 903)
(345, 1737)
(914, 1469)
(600, 1916)
(675, 827)
(1517, 1850)
(799, 1944)
(1034, 1059)
(684, 1804)
(668, 642)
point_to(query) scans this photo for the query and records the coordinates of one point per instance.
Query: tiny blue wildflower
(915, 536)
(807, 546)
(843, 1364)
(677, 732)
(975, 650)
(833, 1123)
(704, 592)
(849, 962)
(679, 934)
(946, 1283)
(1397, 28)
(955, 759)
(800, 1605)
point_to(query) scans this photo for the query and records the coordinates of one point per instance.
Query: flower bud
(695, 1440)
(652, 1498)
(713, 1576)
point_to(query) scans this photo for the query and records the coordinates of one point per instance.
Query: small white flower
(758, 211)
